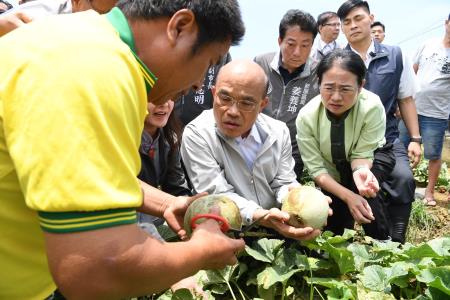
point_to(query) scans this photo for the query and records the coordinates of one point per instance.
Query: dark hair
(377, 23)
(347, 60)
(348, 5)
(217, 20)
(172, 131)
(325, 17)
(298, 17)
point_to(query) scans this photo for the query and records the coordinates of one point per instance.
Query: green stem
(283, 291)
(231, 290)
(239, 289)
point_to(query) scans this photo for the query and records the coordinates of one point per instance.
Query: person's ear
(320, 28)
(180, 24)
(264, 103)
(372, 18)
(279, 41)
(362, 85)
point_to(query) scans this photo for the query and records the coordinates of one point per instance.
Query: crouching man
(234, 149)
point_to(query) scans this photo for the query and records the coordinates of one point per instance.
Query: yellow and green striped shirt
(73, 98)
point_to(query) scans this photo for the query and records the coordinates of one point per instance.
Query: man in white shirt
(236, 150)
(432, 65)
(328, 24)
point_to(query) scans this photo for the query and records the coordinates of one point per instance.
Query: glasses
(242, 105)
(344, 91)
(332, 24)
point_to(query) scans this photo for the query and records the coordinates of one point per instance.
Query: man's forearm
(155, 201)
(408, 111)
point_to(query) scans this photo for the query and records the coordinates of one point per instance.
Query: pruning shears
(225, 226)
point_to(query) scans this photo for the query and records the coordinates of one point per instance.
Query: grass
(421, 222)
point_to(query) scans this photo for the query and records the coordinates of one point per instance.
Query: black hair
(377, 23)
(217, 20)
(348, 5)
(347, 60)
(298, 17)
(325, 17)
(172, 131)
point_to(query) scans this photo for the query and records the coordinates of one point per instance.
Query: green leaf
(365, 294)
(440, 246)
(435, 294)
(375, 278)
(272, 275)
(398, 273)
(438, 277)
(343, 258)
(423, 250)
(267, 294)
(289, 258)
(264, 249)
(222, 275)
(326, 281)
(183, 294)
(317, 264)
(218, 281)
(341, 293)
(338, 239)
(363, 254)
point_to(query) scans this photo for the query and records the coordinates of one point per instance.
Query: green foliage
(335, 267)
(421, 174)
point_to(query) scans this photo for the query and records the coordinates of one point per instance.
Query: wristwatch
(416, 139)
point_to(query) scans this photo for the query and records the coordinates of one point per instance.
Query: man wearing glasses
(234, 149)
(328, 25)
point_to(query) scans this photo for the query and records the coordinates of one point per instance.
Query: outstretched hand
(174, 211)
(366, 183)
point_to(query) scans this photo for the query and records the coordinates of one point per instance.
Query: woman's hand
(360, 209)
(366, 182)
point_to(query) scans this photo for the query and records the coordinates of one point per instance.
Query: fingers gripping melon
(213, 204)
(307, 206)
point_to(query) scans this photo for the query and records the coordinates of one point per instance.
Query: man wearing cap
(389, 75)
(432, 65)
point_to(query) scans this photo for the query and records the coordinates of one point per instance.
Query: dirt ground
(441, 214)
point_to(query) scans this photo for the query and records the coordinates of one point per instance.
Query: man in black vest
(390, 75)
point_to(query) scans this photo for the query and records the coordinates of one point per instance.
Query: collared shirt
(368, 57)
(327, 47)
(250, 146)
(408, 86)
(287, 76)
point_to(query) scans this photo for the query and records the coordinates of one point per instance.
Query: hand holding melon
(307, 206)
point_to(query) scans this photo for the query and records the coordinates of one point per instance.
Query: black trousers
(380, 228)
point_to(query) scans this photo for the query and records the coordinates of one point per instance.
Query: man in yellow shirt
(73, 98)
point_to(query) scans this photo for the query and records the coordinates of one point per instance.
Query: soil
(441, 214)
